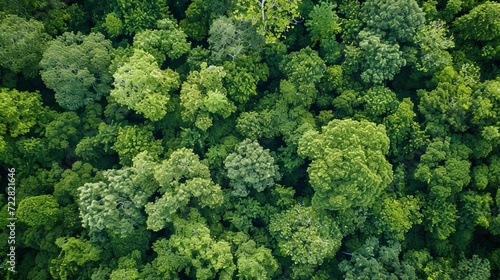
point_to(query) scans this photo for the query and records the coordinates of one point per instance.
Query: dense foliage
(251, 139)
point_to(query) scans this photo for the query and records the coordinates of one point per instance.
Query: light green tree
(203, 97)
(243, 76)
(193, 248)
(184, 183)
(255, 262)
(307, 236)
(143, 87)
(398, 216)
(114, 204)
(132, 140)
(272, 18)
(42, 210)
(230, 38)
(21, 112)
(348, 167)
(75, 253)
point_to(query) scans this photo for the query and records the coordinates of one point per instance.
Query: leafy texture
(22, 44)
(142, 86)
(76, 68)
(348, 167)
(250, 167)
(184, 181)
(203, 97)
(271, 18)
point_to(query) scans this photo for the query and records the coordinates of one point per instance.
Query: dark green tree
(375, 261)
(396, 21)
(76, 68)
(22, 44)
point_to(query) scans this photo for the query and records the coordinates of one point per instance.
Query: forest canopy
(241, 139)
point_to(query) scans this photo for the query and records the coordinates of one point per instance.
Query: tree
(475, 268)
(184, 182)
(379, 101)
(21, 112)
(348, 167)
(307, 236)
(114, 204)
(398, 216)
(63, 132)
(445, 170)
(433, 41)
(166, 41)
(251, 167)
(66, 189)
(193, 249)
(486, 106)
(304, 69)
(481, 30)
(76, 68)
(39, 210)
(403, 130)
(448, 105)
(22, 44)
(132, 140)
(244, 213)
(142, 86)
(396, 21)
(126, 17)
(323, 25)
(376, 261)
(474, 210)
(426, 267)
(254, 125)
(75, 253)
(377, 59)
(98, 149)
(255, 262)
(481, 23)
(230, 38)
(243, 76)
(272, 18)
(203, 97)
(445, 164)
